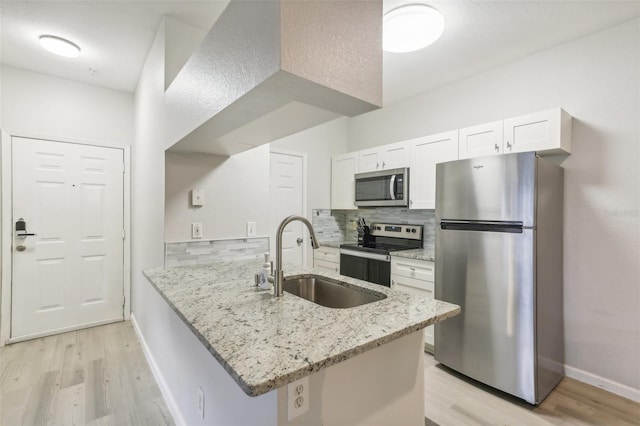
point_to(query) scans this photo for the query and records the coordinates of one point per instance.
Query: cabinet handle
(383, 164)
(497, 148)
(377, 165)
(412, 269)
(509, 145)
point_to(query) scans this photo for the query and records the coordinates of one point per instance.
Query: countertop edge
(260, 388)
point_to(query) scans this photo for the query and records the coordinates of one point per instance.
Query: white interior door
(286, 199)
(70, 274)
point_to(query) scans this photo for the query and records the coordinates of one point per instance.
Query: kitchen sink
(328, 292)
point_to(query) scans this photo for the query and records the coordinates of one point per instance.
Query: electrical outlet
(200, 402)
(251, 229)
(354, 226)
(298, 396)
(196, 230)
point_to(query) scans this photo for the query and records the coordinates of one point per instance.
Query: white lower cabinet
(327, 258)
(414, 277)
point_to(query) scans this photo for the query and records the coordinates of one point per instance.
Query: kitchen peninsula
(364, 364)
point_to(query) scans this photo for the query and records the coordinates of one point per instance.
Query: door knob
(299, 241)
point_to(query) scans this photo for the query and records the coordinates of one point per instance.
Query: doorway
(287, 197)
(68, 253)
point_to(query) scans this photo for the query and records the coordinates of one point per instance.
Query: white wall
(55, 108)
(237, 187)
(236, 192)
(597, 80)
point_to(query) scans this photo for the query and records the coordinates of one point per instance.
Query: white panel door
(69, 275)
(426, 153)
(285, 200)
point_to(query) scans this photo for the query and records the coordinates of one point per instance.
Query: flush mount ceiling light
(59, 46)
(411, 27)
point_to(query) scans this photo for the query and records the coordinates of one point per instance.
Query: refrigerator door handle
(487, 226)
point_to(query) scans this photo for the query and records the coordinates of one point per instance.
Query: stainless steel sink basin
(329, 293)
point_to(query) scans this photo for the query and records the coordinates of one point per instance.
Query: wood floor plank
(95, 376)
(452, 399)
(69, 406)
(39, 405)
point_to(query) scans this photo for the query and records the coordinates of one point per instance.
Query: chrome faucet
(278, 274)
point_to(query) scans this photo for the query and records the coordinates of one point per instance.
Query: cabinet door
(327, 266)
(395, 155)
(369, 160)
(484, 139)
(548, 131)
(426, 152)
(343, 169)
(418, 288)
(328, 254)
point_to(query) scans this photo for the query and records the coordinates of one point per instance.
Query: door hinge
(124, 299)
(123, 167)
(124, 234)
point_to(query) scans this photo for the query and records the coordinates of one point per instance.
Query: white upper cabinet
(343, 169)
(480, 140)
(548, 131)
(545, 132)
(391, 156)
(426, 152)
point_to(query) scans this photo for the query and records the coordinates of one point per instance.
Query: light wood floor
(96, 376)
(452, 399)
(99, 376)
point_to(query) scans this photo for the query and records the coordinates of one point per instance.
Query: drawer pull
(412, 269)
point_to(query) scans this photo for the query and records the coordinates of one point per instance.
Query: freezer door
(491, 276)
(494, 188)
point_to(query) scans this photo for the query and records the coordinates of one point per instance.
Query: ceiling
(116, 35)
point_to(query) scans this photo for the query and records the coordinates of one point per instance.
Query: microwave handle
(392, 187)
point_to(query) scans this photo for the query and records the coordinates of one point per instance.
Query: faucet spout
(278, 274)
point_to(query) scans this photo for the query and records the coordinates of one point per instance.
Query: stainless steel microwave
(383, 188)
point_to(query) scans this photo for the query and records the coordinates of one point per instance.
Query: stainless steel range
(370, 258)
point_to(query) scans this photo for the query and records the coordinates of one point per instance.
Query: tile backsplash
(211, 251)
(338, 225)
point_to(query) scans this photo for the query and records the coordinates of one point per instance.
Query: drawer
(329, 254)
(412, 286)
(418, 269)
(329, 266)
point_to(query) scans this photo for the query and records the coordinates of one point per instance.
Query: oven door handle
(366, 255)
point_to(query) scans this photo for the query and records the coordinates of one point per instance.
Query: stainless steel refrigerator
(499, 256)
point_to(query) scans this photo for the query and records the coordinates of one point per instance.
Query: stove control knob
(413, 230)
(408, 230)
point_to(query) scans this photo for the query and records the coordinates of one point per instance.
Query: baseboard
(157, 374)
(602, 383)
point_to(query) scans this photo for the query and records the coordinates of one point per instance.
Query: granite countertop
(417, 254)
(265, 342)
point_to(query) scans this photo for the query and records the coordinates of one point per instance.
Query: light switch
(197, 197)
(196, 230)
